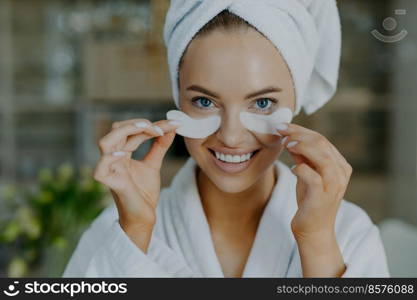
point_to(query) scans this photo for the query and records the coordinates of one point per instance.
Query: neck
(244, 208)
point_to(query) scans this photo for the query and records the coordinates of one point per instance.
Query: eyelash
(197, 103)
(273, 102)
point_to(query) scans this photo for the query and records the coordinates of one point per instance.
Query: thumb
(298, 159)
(158, 150)
(309, 181)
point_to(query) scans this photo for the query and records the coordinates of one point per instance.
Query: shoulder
(354, 214)
(105, 219)
(360, 242)
(165, 204)
(102, 223)
(353, 223)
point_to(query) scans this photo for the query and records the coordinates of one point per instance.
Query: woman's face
(226, 73)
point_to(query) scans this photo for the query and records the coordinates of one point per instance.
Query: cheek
(190, 144)
(271, 149)
(269, 141)
(194, 147)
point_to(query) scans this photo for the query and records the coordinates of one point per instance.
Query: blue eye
(202, 102)
(265, 104)
(262, 103)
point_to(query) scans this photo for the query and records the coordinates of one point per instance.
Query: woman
(253, 217)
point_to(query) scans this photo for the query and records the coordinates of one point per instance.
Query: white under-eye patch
(266, 123)
(194, 128)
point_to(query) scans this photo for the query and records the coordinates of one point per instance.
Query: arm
(105, 250)
(323, 175)
(321, 256)
(364, 255)
(117, 243)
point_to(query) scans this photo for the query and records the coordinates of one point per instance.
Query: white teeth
(217, 155)
(233, 158)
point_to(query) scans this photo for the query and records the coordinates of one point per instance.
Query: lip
(231, 152)
(232, 168)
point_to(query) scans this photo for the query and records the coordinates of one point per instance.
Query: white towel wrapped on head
(306, 32)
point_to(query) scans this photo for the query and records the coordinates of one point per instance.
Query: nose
(231, 132)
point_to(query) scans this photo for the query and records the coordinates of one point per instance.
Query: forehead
(238, 60)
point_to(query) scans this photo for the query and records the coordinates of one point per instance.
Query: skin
(234, 203)
(232, 65)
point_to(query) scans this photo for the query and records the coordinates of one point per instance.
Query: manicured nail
(118, 153)
(158, 129)
(284, 140)
(293, 167)
(282, 126)
(141, 124)
(292, 144)
(174, 122)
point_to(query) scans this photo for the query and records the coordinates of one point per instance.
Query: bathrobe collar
(274, 243)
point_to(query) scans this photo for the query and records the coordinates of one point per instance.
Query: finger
(118, 166)
(311, 178)
(313, 148)
(317, 150)
(342, 168)
(158, 150)
(344, 165)
(134, 142)
(290, 129)
(165, 123)
(298, 159)
(118, 124)
(116, 139)
(103, 166)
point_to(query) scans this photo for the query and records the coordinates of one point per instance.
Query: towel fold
(306, 32)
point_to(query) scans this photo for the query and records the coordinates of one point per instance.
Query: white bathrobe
(182, 246)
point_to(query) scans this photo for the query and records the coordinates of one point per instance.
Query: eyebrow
(266, 90)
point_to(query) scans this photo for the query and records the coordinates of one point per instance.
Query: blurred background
(68, 69)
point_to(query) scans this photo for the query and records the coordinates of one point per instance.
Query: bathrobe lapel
(194, 236)
(273, 245)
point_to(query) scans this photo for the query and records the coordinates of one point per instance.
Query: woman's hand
(323, 176)
(135, 185)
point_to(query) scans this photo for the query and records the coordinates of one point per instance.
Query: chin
(230, 185)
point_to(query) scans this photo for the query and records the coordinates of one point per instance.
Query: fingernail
(292, 144)
(293, 167)
(141, 124)
(282, 126)
(118, 153)
(174, 122)
(284, 140)
(158, 129)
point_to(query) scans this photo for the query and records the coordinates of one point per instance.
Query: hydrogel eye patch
(202, 128)
(194, 128)
(266, 123)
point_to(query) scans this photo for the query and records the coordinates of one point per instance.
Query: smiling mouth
(233, 159)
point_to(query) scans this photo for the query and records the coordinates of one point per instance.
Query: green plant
(40, 225)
